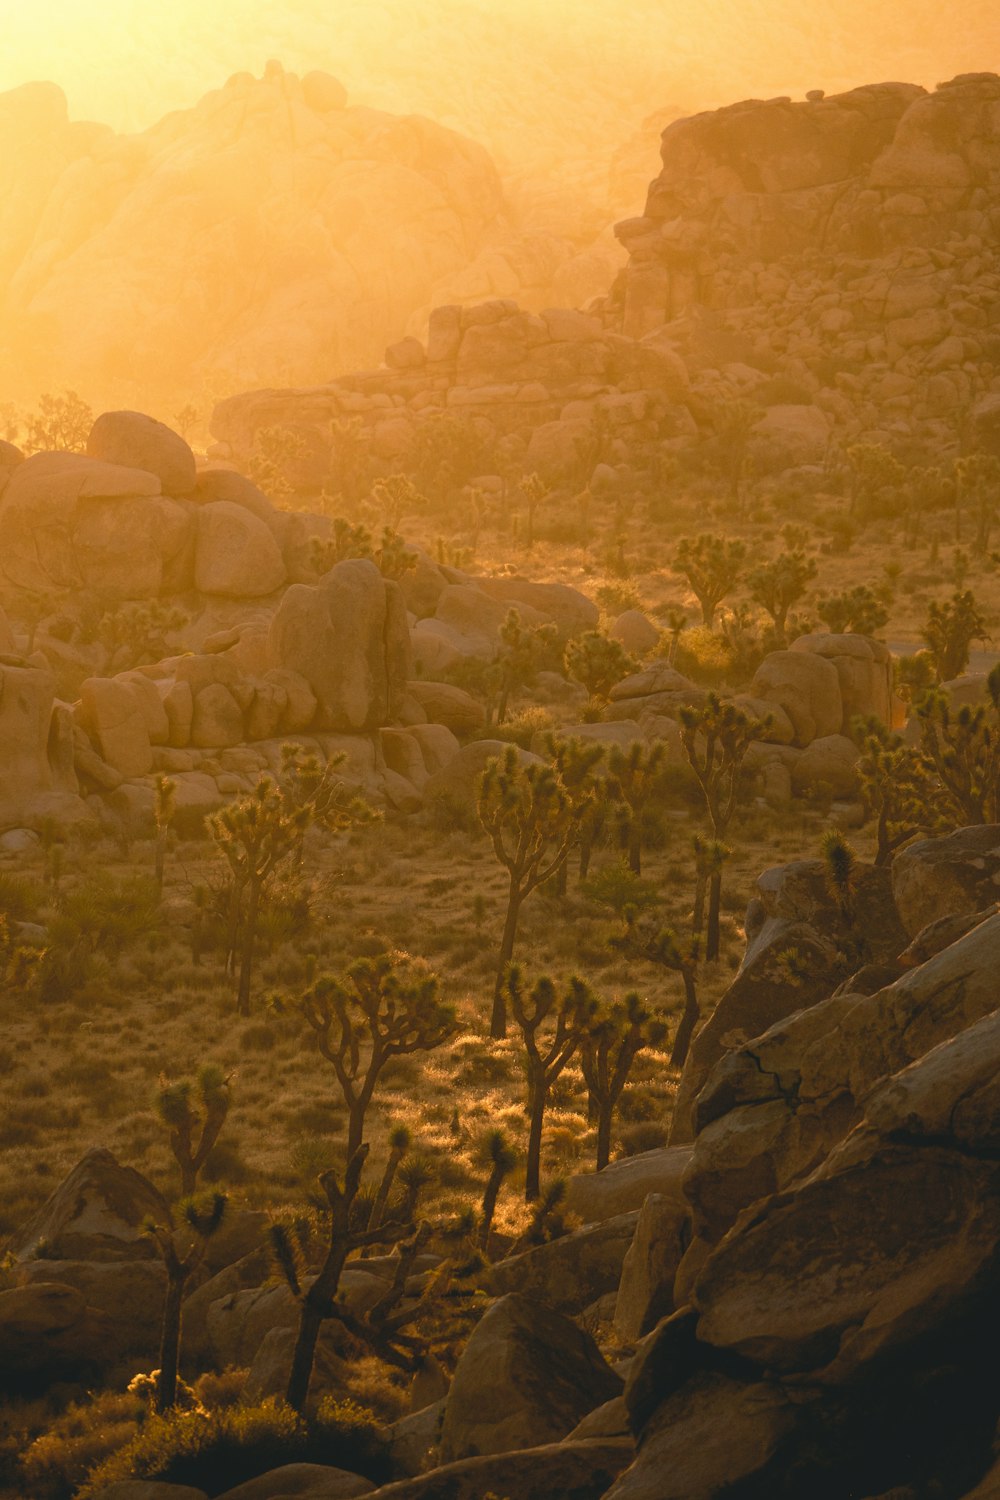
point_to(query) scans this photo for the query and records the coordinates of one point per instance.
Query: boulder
(707, 1439)
(864, 669)
(128, 1293)
(96, 1213)
(777, 1106)
(569, 1471)
(148, 1489)
(807, 687)
(646, 1288)
(793, 912)
(526, 1376)
(959, 872)
(636, 632)
(26, 724)
(302, 1482)
(70, 522)
(215, 485)
(451, 706)
(573, 1271)
(815, 1280)
(571, 611)
(47, 1333)
(788, 436)
(237, 1322)
(458, 783)
(112, 715)
(349, 639)
(624, 1185)
(136, 441)
(216, 718)
(236, 554)
(829, 761)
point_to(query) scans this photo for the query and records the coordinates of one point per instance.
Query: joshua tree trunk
(246, 956)
(714, 903)
(532, 1178)
(604, 1133)
(170, 1339)
(689, 1021)
(635, 844)
(498, 1022)
(315, 1307)
(490, 1197)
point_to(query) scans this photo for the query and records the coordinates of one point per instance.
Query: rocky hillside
(804, 1298)
(852, 242)
(834, 263)
(273, 228)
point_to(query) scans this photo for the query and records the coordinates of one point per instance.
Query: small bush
(643, 1135)
(20, 898)
(216, 1451)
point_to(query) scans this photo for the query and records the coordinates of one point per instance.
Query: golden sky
(128, 61)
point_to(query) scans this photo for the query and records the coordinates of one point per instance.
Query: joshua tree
(670, 951)
(534, 492)
(187, 1113)
(522, 650)
(636, 773)
(840, 865)
(734, 425)
(960, 750)
(598, 662)
(861, 610)
(977, 478)
(198, 1224)
(716, 738)
(712, 566)
(612, 1042)
(895, 786)
(61, 422)
(778, 585)
(710, 857)
(397, 496)
(194, 1111)
(382, 1328)
(949, 631)
(496, 1153)
(876, 478)
(577, 763)
(676, 621)
(533, 819)
(164, 807)
(400, 1141)
(383, 1007)
(549, 1048)
(257, 834)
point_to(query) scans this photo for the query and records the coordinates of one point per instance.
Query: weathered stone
(112, 715)
(128, 1293)
(96, 1213)
(216, 719)
(135, 441)
(47, 1333)
(959, 872)
(710, 1436)
(308, 1481)
(571, 1471)
(624, 1185)
(646, 1289)
(236, 554)
(348, 638)
(808, 689)
(573, 1271)
(451, 706)
(526, 1375)
(794, 912)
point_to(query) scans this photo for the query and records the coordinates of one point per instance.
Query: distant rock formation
(852, 240)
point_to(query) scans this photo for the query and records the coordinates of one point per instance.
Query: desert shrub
(618, 597)
(20, 897)
(521, 727)
(84, 1435)
(642, 1135)
(216, 1451)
